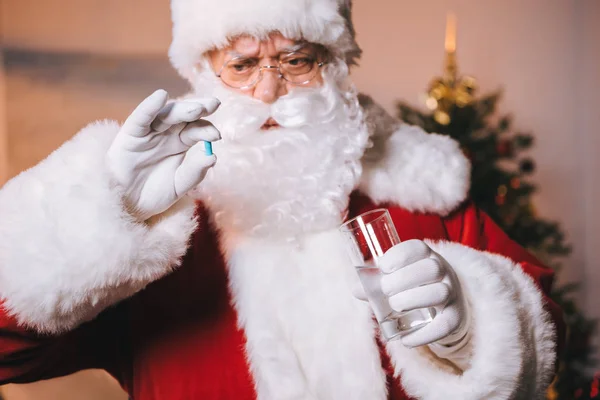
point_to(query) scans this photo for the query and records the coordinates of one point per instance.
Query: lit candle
(450, 33)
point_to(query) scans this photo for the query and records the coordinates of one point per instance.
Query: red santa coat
(243, 318)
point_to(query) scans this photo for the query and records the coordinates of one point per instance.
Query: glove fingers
(197, 131)
(437, 294)
(403, 254)
(138, 123)
(184, 111)
(193, 169)
(422, 272)
(444, 323)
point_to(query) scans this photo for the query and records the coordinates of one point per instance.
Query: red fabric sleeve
(26, 356)
(472, 227)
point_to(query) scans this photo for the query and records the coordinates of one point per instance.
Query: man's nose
(270, 87)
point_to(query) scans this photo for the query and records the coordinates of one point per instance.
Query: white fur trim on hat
(201, 25)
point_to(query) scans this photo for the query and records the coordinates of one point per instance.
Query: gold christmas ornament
(449, 90)
(502, 190)
(552, 394)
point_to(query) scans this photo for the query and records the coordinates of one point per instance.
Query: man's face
(246, 54)
(291, 145)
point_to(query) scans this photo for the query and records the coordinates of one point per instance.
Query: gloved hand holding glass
(414, 293)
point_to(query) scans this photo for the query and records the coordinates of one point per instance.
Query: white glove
(417, 277)
(158, 155)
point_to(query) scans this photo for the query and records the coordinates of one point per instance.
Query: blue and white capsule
(208, 148)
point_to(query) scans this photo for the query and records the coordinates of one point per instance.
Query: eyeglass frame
(268, 67)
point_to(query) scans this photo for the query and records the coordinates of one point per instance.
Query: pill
(208, 148)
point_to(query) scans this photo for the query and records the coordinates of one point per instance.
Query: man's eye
(299, 61)
(241, 66)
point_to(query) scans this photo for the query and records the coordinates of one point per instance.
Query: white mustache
(240, 115)
(302, 108)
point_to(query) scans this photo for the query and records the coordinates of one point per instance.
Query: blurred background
(66, 63)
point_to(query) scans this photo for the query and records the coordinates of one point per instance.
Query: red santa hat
(201, 25)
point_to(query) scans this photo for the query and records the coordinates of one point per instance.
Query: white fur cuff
(513, 340)
(411, 168)
(68, 249)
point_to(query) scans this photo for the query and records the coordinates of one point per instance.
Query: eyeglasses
(298, 68)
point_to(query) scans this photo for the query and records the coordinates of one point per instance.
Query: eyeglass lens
(298, 68)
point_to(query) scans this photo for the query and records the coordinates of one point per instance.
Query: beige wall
(100, 26)
(3, 131)
(544, 53)
(587, 103)
(88, 385)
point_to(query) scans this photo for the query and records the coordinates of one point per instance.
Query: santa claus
(132, 249)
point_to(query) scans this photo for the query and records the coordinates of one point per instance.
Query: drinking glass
(368, 237)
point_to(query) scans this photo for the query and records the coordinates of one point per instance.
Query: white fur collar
(413, 169)
(307, 337)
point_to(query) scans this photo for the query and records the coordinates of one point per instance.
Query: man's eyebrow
(293, 48)
(288, 49)
(234, 54)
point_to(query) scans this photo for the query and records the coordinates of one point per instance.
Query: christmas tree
(502, 187)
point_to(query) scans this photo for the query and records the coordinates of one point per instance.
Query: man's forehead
(252, 46)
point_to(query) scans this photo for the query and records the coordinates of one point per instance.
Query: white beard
(285, 182)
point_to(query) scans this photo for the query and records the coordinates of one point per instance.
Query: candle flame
(450, 44)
